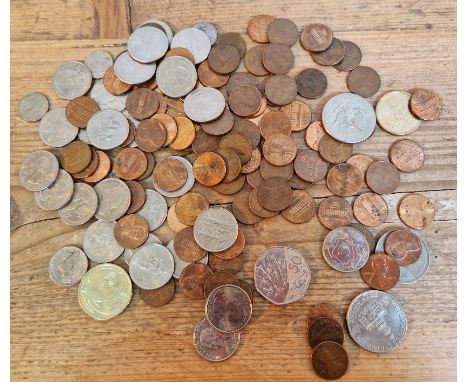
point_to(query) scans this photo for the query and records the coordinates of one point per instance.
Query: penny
(57, 194)
(131, 71)
(215, 229)
(268, 170)
(80, 110)
(363, 81)
(173, 221)
(205, 142)
(186, 247)
(324, 310)
(160, 296)
(334, 151)
(330, 360)
(278, 58)
(245, 100)
(234, 39)
(241, 79)
(217, 279)
(209, 168)
(362, 162)
(275, 194)
(147, 44)
(176, 76)
(72, 79)
(113, 84)
(142, 103)
(81, 207)
(130, 163)
(351, 59)
(314, 134)
(150, 166)
(182, 52)
(90, 169)
(185, 134)
(98, 62)
(381, 272)
(232, 265)
(370, 209)
(280, 89)
(246, 287)
(279, 150)
(416, 211)
(162, 104)
(131, 231)
(76, 156)
(257, 27)
(257, 208)
(233, 164)
(382, 177)
(39, 170)
(188, 184)
(204, 104)
(299, 114)
(425, 104)
(344, 179)
(67, 266)
(330, 56)
(282, 31)
(209, 77)
(170, 174)
(33, 106)
(192, 280)
(108, 191)
(274, 123)
(221, 125)
(138, 196)
(241, 209)
(99, 242)
(194, 40)
(302, 208)
(151, 135)
(394, 115)
(406, 155)
(411, 273)
(108, 129)
(55, 130)
(253, 163)
(404, 246)
(324, 329)
(230, 188)
(254, 178)
(309, 166)
(223, 58)
(105, 99)
(154, 209)
(189, 206)
(297, 183)
(316, 37)
(311, 83)
(335, 212)
(239, 143)
(253, 61)
(234, 250)
(181, 264)
(345, 249)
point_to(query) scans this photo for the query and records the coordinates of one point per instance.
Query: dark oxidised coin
(142, 103)
(351, 59)
(363, 81)
(280, 89)
(330, 56)
(192, 279)
(223, 58)
(217, 279)
(208, 77)
(309, 166)
(311, 83)
(205, 142)
(278, 58)
(282, 31)
(160, 296)
(382, 177)
(404, 246)
(330, 360)
(275, 194)
(324, 329)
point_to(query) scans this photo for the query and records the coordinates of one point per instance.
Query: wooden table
(411, 44)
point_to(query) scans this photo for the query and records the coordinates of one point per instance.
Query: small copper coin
(254, 162)
(185, 133)
(254, 178)
(205, 142)
(113, 84)
(324, 329)
(76, 156)
(344, 179)
(149, 169)
(189, 206)
(404, 246)
(352, 58)
(302, 208)
(382, 177)
(314, 134)
(160, 296)
(280, 89)
(90, 169)
(257, 27)
(162, 103)
(217, 279)
(297, 183)
(309, 166)
(316, 37)
(80, 110)
(192, 280)
(416, 211)
(221, 125)
(248, 128)
(330, 56)
(406, 155)
(223, 58)
(311, 83)
(102, 170)
(275, 123)
(186, 247)
(233, 164)
(175, 107)
(275, 194)
(245, 100)
(324, 310)
(230, 188)
(282, 31)
(169, 124)
(268, 170)
(138, 196)
(150, 135)
(257, 208)
(142, 103)
(246, 287)
(425, 104)
(182, 52)
(330, 360)
(370, 209)
(235, 249)
(210, 78)
(334, 212)
(241, 209)
(334, 151)
(131, 134)
(363, 81)
(232, 265)
(209, 168)
(368, 234)
(253, 61)
(280, 150)
(241, 79)
(131, 231)
(234, 39)
(381, 272)
(278, 58)
(130, 163)
(238, 142)
(299, 114)
(170, 174)
(150, 84)
(362, 162)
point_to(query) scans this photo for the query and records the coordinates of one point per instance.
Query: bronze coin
(162, 102)
(404, 246)
(280, 89)
(330, 56)
(245, 100)
(241, 79)
(310, 167)
(362, 162)
(238, 142)
(297, 183)
(246, 287)
(233, 164)
(173, 221)
(425, 104)
(150, 84)
(170, 174)
(130, 163)
(209, 168)
(217, 279)
(189, 206)
(314, 134)
(210, 78)
(169, 124)
(311, 83)
(150, 135)
(186, 247)
(275, 194)
(254, 178)
(406, 155)
(142, 103)
(80, 110)
(302, 208)
(381, 272)
(131, 231)
(363, 81)
(330, 360)
(324, 329)
(282, 31)
(149, 169)
(223, 59)
(334, 212)
(76, 156)
(113, 84)
(316, 37)
(232, 265)
(278, 58)
(344, 179)
(138, 196)
(368, 234)
(182, 52)
(235, 249)
(253, 61)
(241, 209)
(268, 170)
(370, 209)
(416, 211)
(334, 151)
(192, 280)
(131, 134)
(160, 296)
(257, 27)
(104, 165)
(185, 134)
(248, 128)
(382, 177)
(298, 113)
(253, 163)
(324, 310)
(205, 142)
(351, 59)
(257, 208)
(274, 123)
(221, 125)
(234, 39)
(175, 107)
(230, 188)
(279, 150)
(90, 169)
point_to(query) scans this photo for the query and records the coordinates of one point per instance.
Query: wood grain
(411, 44)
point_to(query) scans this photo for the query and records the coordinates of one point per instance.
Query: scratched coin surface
(38, 170)
(416, 211)
(131, 71)
(67, 266)
(98, 62)
(131, 231)
(33, 106)
(404, 246)
(55, 130)
(394, 115)
(282, 275)
(334, 212)
(299, 113)
(302, 208)
(81, 207)
(376, 321)
(108, 129)
(72, 79)
(316, 37)
(215, 229)
(406, 155)
(192, 280)
(57, 194)
(109, 191)
(176, 76)
(344, 179)
(204, 104)
(154, 210)
(195, 41)
(330, 360)
(324, 329)
(381, 272)
(99, 242)
(147, 44)
(370, 209)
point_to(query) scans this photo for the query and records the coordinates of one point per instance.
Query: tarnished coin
(76, 156)
(176, 76)
(330, 56)
(160, 296)
(382, 177)
(204, 104)
(57, 194)
(230, 188)
(160, 25)
(33, 106)
(98, 62)
(376, 321)
(80, 110)
(67, 266)
(239, 143)
(381, 272)
(280, 89)
(224, 59)
(314, 134)
(55, 130)
(106, 99)
(150, 135)
(282, 275)
(90, 168)
(192, 280)
(370, 209)
(406, 155)
(194, 40)
(209, 29)
(241, 79)
(142, 102)
(297, 183)
(189, 206)
(275, 194)
(114, 199)
(235, 249)
(253, 61)
(311, 83)
(330, 360)
(147, 44)
(316, 37)
(128, 253)
(234, 39)
(131, 231)
(324, 310)
(404, 246)
(362, 162)
(168, 122)
(99, 242)
(279, 150)
(309, 166)
(416, 211)
(425, 104)
(334, 151)
(215, 229)
(180, 264)
(302, 208)
(185, 134)
(324, 329)
(257, 208)
(38, 170)
(210, 78)
(173, 220)
(233, 266)
(185, 246)
(72, 79)
(242, 210)
(299, 114)
(104, 165)
(154, 210)
(209, 168)
(131, 71)
(252, 165)
(186, 187)
(363, 81)
(335, 212)
(130, 163)
(275, 123)
(112, 83)
(351, 59)
(257, 27)
(344, 179)
(282, 31)
(105, 291)
(108, 129)
(217, 279)
(170, 174)
(81, 207)
(394, 115)
(278, 58)
(234, 164)
(368, 234)
(245, 100)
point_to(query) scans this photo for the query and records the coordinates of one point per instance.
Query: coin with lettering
(209, 168)
(370, 209)
(39, 170)
(72, 79)
(81, 207)
(33, 106)
(154, 210)
(279, 150)
(394, 115)
(406, 155)
(67, 266)
(186, 187)
(316, 37)
(186, 247)
(55, 130)
(344, 179)
(215, 229)
(333, 150)
(192, 280)
(324, 329)
(108, 129)
(425, 104)
(204, 104)
(404, 246)
(381, 272)
(114, 84)
(257, 27)
(108, 192)
(80, 110)
(128, 253)
(142, 103)
(334, 212)
(302, 208)
(130, 163)
(309, 166)
(330, 360)
(299, 113)
(314, 134)
(416, 211)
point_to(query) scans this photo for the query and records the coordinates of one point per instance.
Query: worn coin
(67, 266)
(105, 99)
(381, 272)
(280, 89)
(137, 196)
(180, 264)
(195, 41)
(154, 210)
(311, 83)
(192, 280)
(278, 58)
(279, 150)
(363, 81)
(209, 29)
(224, 58)
(185, 246)
(239, 143)
(382, 177)
(309, 166)
(394, 115)
(362, 162)
(299, 114)
(257, 208)
(253, 61)
(215, 229)
(55, 130)
(344, 179)
(330, 360)
(370, 209)
(330, 56)
(108, 129)
(233, 164)
(99, 242)
(234, 250)
(210, 78)
(81, 207)
(324, 310)
(150, 135)
(38, 170)
(176, 76)
(234, 39)
(131, 71)
(334, 151)
(33, 106)
(416, 211)
(186, 187)
(254, 178)
(160, 296)
(130, 163)
(324, 329)
(80, 110)
(128, 253)
(233, 266)
(282, 31)
(297, 183)
(351, 59)
(406, 155)
(108, 192)
(189, 206)
(160, 25)
(57, 194)
(275, 194)
(314, 134)
(142, 102)
(368, 234)
(209, 168)
(204, 104)
(334, 212)
(185, 134)
(257, 27)
(241, 79)
(90, 169)
(76, 156)
(302, 208)
(173, 221)
(274, 123)
(404, 246)
(316, 37)
(104, 165)
(170, 174)
(217, 279)
(268, 170)
(169, 124)
(425, 104)
(72, 79)
(230, 188)
(254, 162)
(245, 100)
(98, 62)
(113, 84)
(147, 44)
(131, 231)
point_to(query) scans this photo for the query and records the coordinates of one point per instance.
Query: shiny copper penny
(257, 208)
(185, 134)
(160, 296)
(324, 329)
(233, 164)
(169, 124)
(324, 310)
(130, 163)
(425, 104)
(382, 177)
(90, 169)
(280, 89)
(381, 272)
(330, 56)
(351, 59)
(113, 84)
(80, 110)
(241, 209)
(241, 79)
(344, 179)
(335, 211)
(186, 247)
(235, 249)
(314, 134)
(404, 246)
(254, 178)
(302, 208)
(362, 162)
(205, 142)
(275, 194)
(330, 360)
(278, 58)
(245, 100)
(138, 196)
(316, 37)
(217, 279)
(274, 123)
(279, 150)
(248, 128)
(311, 83)
(334, 151)
(416, 211)
(282, 31)
(102, 170)
(189, 206)
(223, 58)
(221, 125)
(192, 280)
(253, 61)
(257, 27)
(299, 114)
(232, 265)
(234, 39)
(309, 166)
(182, 52)
(230, 188)
(150, 135)
(406, 155)
(131, 231)
(209, 77)
(363, 81)
(209, 168)
(76, 156)
(142, 103)
(238, 142)
(170, 174)
(370, 209)
(268, 170)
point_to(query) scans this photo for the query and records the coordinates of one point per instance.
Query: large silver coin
(106, 100)
(160, 25)
(188, 184)
(57, 194)
(209, 29)
(131, 71)
(67, 266)
(394, 114)
(99, 242)
(348, 118)
(98, 62)
(147, 44)
(55, 130)
(176, 76)
(154, 210)
(376, 321)
(204, 104)
(215, 229)
(195, 41)
(114, 199)
(38, 170)
(282, 275)
(108, 129)
(179, 264)
(81, 207)
(33, 106)
(128, 253)
(151, 266)
(72, 79)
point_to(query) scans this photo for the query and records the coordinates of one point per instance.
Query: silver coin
(180, 264)
(114, 199)
(176, 76)
(209, 29)
(394, 114)
(57, 194)
(160, 25)
(147, 44)
(348, 118)
(81, 207)
(188, 184)
(99, 242)
(131, 71)
(67, 266)
(215, 229)
(33, 106)
(98, 62)
(128, 253)
(376, 321)
(72, 79)
(83, 136)
(106, 100)
(38, 170)
(55, 130)
(108, 129)
(195, 41)
(204, 104)
(154, 210)
(151, 266)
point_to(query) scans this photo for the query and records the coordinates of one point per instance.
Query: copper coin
(246, 287)
(150, 84)
(162, 102)
(170, 174)
(217, 279)
(316, 37)
(280, 89)
(209, 168)
(245, 100)
(189, 206)
(235, 249)
(205, 142)
(138, 196)
(238, 142)
(382, 177)
(425, 104)
(257, 27)
(185, 134)
(248, 128)
(175, 107)
(234, 39)
(221, 125)
(275, 194)
(173, 221)
(268, 170)
(192, 280)
(150, 135)
(210, 78)
(416, 211)
(130, 163)
(330, 56)
(90, 169)
(298, 113)
(278, 58)
(362, 162)
(160, 296)
(169, 124)
(186, 247)
(131, 231)
(102, 170)
(368, 234)
(334, 151)
(370, 209)
(80, 110)
(302, 208)
(314, 134)
(253, 163)
(344, 179)
(364, 81)
(280, 150)
(334, 212)
(76, 156)
(241, 209)
(255, 178)
(351, 59)
(274, 123)
(142, 103)
(324, 329)
(149, 169)
(241, 79)
(232, 265)
(311, 83)
(297, 183)
(253, 61)
(309, 166)
(330, 360)
(324, 310)
(257, 208)
(404, 246)
(223, 59)
(113, 84)
(406, 155)
(131, 134)
(182, 52)
(230, 188)
(282, 31)
(233, 164)
(381, 272)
